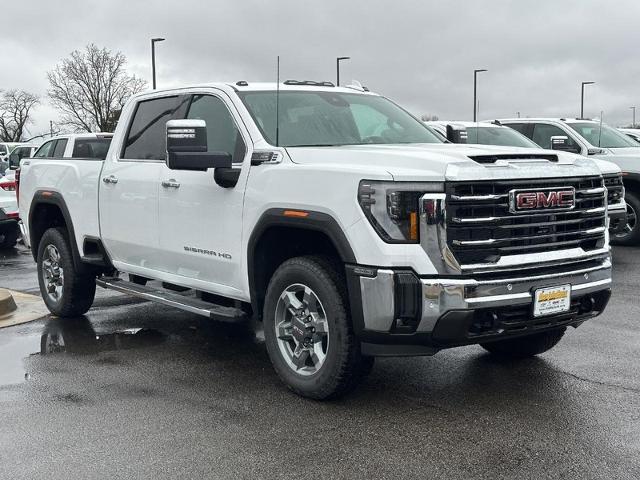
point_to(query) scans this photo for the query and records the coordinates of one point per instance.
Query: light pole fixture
(633, 125)
(475, 91)
(338, 69)
(153, 59)
(582, 98)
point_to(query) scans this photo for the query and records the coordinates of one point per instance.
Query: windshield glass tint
(504, 136)
(609, 138)
(334, 118)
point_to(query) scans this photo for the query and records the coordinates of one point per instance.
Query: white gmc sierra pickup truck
(332, 215)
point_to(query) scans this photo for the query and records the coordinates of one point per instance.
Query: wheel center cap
(300, 330)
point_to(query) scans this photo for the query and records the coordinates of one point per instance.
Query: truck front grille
(481, 227)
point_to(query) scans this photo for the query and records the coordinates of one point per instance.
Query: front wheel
(631, 235)
(524, 347)
(308, 329)
(66, 291)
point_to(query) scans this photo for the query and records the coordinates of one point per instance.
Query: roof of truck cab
(465, 124)
(549, 119)
(284, 87)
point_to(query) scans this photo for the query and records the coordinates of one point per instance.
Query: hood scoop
(493, 158)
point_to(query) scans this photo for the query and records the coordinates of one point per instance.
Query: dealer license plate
(551, 300)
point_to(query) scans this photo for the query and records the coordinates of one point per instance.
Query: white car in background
(494, 133)
(5, 150)
(631, 132)
(595, 140)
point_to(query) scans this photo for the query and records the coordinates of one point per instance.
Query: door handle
(110, 179)
(170, 184)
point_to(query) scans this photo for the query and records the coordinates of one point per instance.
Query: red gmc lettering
(529, 200)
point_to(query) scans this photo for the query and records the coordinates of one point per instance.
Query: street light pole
(475, 91)
(153, 59)
(633, 125)
(582, 98)
(338, 69)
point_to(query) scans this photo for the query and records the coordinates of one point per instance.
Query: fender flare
(316, 221)
(54, 198)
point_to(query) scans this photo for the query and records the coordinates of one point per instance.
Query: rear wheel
(524, 347)
(308, 330)
(632, 234)
(66, 291)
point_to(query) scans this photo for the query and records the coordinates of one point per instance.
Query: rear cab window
(92, 148)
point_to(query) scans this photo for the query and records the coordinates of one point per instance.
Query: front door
(201, 221)
(130, 183)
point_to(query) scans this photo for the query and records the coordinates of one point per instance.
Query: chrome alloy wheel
(52, 273)
(302, 329)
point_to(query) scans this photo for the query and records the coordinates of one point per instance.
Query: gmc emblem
(545, 198)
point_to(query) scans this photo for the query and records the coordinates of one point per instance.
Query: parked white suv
(596, 140)
(334, 216)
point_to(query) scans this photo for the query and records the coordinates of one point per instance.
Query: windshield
(609, 138)
(503, 136)
(333, 118)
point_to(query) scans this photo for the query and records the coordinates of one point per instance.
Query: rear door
(130, 183)
(201, 221)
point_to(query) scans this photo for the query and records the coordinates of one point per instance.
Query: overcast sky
(419, 53)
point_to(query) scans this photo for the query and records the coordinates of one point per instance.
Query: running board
(171, 299)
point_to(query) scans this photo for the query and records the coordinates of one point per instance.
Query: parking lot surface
(136, 390)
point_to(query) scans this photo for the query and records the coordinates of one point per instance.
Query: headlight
(392, 207)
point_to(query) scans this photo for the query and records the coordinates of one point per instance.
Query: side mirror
(456, 134)
(14, 161)
(561, 142)
(187, 147)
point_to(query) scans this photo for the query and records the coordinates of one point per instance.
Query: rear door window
(61, 145)
(46, 149)
(146, 139)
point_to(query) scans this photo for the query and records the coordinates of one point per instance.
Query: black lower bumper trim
(617, 221)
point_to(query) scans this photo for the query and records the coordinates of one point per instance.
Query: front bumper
(617, 218)
(395, 312)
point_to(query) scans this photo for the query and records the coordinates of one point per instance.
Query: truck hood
(627, 159)
(438, 162)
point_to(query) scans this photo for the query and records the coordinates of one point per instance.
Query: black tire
(633, 209)
(78, 287)
(525, 347)
(343, 366)
(9, 237)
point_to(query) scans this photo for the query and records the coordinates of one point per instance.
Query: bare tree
(91, 87)
(15, 113)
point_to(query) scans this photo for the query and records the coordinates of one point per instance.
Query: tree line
(88, 88)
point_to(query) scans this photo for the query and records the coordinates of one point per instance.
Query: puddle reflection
(77, 335)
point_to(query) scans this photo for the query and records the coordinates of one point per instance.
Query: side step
(171, 299)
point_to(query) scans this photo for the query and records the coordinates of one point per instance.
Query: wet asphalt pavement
(136, 390)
